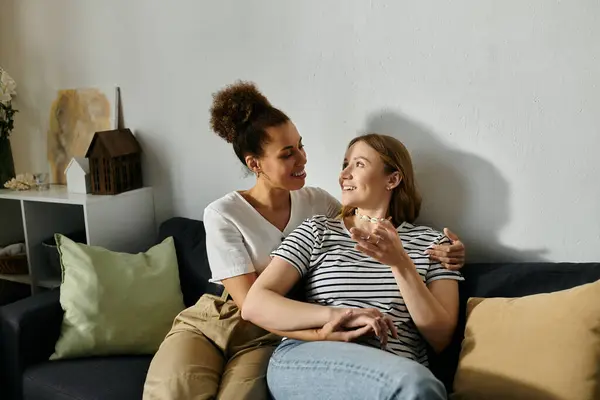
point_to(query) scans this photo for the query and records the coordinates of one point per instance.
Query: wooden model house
(78, 175)
(115, 162)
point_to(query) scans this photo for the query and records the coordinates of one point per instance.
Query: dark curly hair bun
(234, 107)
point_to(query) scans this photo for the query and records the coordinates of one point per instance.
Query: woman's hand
(383, 244)
(350, 324)
(451, 256)
(336, 331)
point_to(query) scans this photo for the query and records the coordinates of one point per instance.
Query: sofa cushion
(540, 346)
(507, 280)
(116, 303)
(194, 271)
(522, 279)
(110, 378)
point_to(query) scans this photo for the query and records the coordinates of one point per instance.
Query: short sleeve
(227, 254)
(331, 206)
(437, 271)
(297, 248)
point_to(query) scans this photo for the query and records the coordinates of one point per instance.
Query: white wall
(498, 101)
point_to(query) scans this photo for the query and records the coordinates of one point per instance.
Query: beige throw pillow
(544, 346)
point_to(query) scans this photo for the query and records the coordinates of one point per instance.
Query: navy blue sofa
(30, 327)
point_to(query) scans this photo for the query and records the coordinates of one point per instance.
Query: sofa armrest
(29, 331)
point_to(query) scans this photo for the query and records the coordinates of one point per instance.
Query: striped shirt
(337, 275)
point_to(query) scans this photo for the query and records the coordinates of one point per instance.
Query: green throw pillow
(116, 303)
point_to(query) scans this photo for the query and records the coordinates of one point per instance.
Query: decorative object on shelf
(78, 175)
(75, 115)
(115, 162)
(7, 112)
(52, 256)
(24, 181)
(12, 249)
(13, 260)
(14, 265)
(41, 181)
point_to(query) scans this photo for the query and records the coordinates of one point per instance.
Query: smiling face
(373, 164)
(283, 159)
(363, 180)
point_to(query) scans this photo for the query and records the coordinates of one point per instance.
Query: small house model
(115, 162)
(78, 175)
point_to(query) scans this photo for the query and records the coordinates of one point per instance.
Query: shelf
(60, 194)
(16, 278)
(121, 223)
(49, 283)
(25, 279)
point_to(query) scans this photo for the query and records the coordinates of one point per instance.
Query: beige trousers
(211, 353)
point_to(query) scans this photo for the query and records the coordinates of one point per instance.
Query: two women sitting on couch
(373, 280)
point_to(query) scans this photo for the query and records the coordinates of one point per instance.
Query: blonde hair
(405, 203)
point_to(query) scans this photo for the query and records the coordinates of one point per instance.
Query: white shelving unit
(123, 222)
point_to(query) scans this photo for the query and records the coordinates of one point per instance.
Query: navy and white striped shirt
(337, 275)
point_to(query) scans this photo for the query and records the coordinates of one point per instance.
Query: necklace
(367, 218)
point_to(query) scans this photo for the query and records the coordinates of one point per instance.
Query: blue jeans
(337, 370)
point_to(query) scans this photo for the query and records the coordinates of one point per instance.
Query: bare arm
(434, 309)
(238, 288)
(266, 306)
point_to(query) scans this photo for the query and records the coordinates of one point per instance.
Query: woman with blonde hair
(372, 257)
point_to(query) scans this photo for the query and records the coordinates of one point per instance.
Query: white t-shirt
(239, 240)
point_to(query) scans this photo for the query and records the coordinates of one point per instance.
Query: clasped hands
(348, 324)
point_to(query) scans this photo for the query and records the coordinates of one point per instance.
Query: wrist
(403, 263)
(335, 312)
(318, 334)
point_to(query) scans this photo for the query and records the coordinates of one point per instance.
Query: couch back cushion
(190, 244)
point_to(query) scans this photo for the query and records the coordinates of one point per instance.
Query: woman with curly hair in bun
(211, 352)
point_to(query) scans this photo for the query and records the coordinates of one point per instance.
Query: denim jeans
(337, 370)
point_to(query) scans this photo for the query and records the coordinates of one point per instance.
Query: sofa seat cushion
(113, 378)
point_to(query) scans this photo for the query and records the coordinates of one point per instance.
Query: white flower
(5, 98)
(8, 87)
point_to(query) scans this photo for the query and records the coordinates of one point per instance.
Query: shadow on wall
(461, 191)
